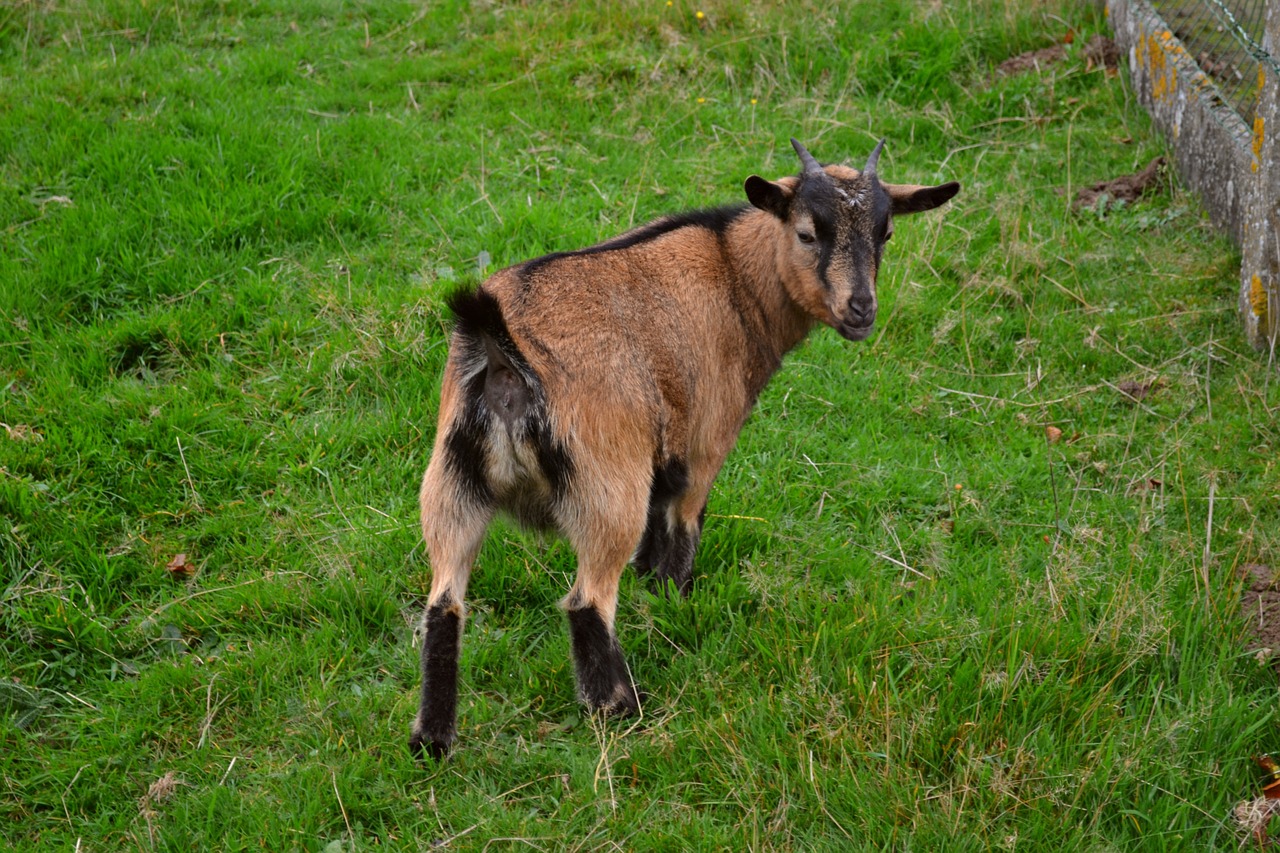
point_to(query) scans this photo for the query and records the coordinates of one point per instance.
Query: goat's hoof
(665, 582)
(423, 746)
(625, 702)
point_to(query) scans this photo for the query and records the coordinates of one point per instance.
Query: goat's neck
(753, 245)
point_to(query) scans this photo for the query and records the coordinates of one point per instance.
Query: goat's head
(835, 222)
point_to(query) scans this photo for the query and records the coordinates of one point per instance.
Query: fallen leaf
(179, 567)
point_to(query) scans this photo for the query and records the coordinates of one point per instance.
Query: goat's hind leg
(453, 527)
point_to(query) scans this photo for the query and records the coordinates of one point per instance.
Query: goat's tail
(508, 384)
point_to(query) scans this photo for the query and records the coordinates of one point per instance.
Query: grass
(917, 622)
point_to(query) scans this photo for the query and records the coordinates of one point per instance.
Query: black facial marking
(603, 681)
(881, 211)
(818, 195)
(716, 220)
(434, 730)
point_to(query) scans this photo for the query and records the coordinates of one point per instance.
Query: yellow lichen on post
(1258, 299)
(1157, 71)
(1259, 125)
(1163, 73)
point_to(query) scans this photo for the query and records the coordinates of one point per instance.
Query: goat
(597, 392)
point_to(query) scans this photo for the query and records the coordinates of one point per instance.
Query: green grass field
(226, 229)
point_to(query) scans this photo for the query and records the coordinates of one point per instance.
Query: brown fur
(649, 354)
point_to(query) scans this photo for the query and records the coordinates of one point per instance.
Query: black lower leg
(670, 480)
(653, 545)
(434, 729)
(676, 564)
(603, 680)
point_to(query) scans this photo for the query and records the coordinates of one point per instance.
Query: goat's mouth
(854, 331)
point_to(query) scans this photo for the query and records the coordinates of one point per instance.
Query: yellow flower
(753, 102)
(702, 100)
(699, 16)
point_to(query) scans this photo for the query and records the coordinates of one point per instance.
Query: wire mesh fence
(1225, 39)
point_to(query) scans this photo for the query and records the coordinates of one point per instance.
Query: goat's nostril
(861, 313)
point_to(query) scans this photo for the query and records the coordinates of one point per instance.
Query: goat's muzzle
(858, 321)
(855, 333)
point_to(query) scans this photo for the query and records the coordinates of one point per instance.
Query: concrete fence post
(1260, 246)
(1232, 164)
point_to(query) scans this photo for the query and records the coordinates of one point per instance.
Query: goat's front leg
(676, 514)
(681, 545)
(604, 682)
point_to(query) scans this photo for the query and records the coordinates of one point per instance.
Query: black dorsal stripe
(716, 220)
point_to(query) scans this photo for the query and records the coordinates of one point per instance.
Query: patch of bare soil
(1126, 188)
(1099, 51)
(1260, 602)
(1032, 59)
(1136, 391)
(1102, 51)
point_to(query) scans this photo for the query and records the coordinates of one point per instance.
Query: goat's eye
(805, 236)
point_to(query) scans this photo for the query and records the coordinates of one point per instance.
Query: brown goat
(598, 392)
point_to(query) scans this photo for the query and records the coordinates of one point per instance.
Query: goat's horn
(870, 168)
(810, 165)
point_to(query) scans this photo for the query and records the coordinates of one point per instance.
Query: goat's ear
(766, 195)
(912, 198)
